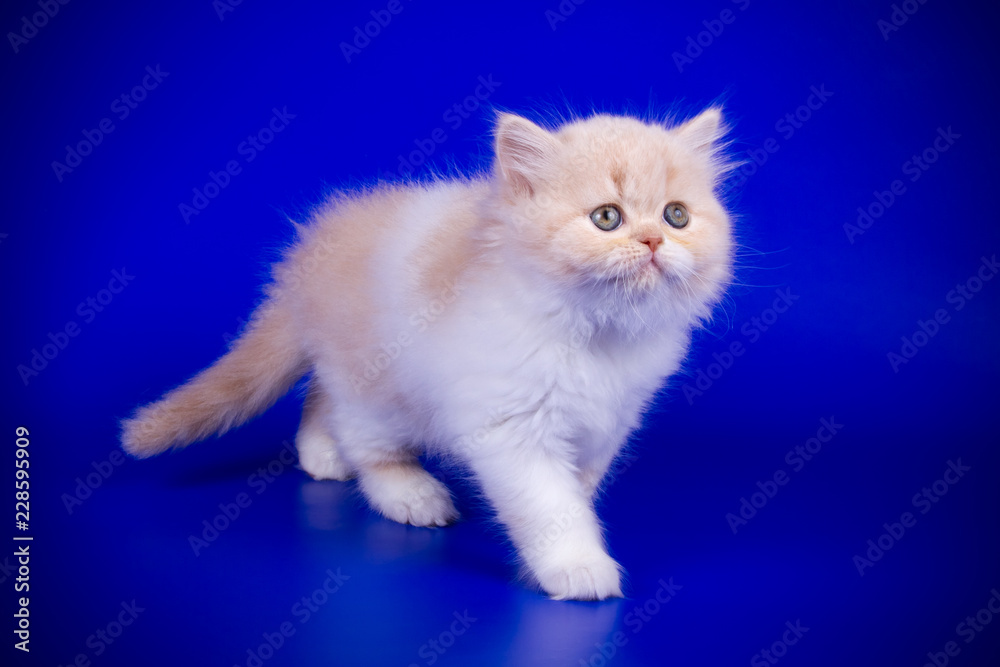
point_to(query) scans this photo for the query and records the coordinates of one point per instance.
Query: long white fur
(495, 324)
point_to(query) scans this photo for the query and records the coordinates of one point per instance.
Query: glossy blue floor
(819, 487)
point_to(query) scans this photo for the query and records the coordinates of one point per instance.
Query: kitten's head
(612, 202)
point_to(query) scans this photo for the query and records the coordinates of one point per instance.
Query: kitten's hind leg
(403, 491)
(389, 474)
(318, 453)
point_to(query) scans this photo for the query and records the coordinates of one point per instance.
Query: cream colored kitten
(519, 322)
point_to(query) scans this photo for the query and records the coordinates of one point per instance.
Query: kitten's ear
(703, 132)
(524, 152)
(705, 135)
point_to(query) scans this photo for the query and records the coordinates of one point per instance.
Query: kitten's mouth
(649, 272)
(654, 265)
(642, 273)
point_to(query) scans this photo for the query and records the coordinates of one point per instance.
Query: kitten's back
(366, 262)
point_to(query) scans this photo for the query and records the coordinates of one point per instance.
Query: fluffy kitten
(519, 322)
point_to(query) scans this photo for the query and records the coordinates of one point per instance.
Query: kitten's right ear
(524, 152)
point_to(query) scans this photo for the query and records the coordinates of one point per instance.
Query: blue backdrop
(819, 488)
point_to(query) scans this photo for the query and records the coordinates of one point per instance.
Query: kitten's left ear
(703, 132)
(524, 152)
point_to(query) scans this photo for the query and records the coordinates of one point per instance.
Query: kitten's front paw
(597, 577)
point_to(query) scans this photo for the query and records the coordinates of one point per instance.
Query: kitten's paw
(597, 577)
(409, 494)
(319, 457)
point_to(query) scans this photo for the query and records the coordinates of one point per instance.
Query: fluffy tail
(261, 366)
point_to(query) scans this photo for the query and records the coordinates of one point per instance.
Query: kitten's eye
(676, 215)
(607, 217)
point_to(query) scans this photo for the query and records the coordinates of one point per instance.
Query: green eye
(607, 217)
(676, 215)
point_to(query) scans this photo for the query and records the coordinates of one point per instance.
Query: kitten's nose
(652, 240)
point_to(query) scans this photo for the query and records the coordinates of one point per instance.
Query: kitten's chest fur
(509, 355)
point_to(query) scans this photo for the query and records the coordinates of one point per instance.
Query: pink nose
(653, 242)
